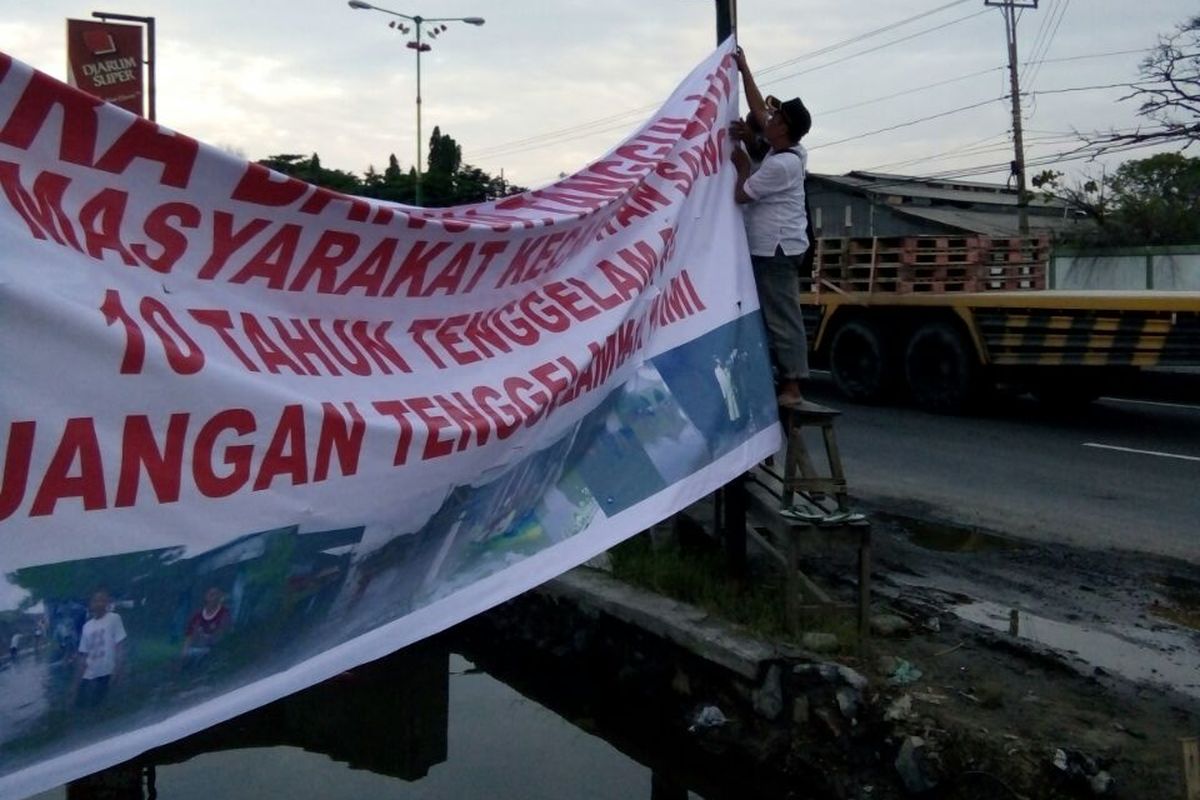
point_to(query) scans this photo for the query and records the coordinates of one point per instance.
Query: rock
(900, 709)
(800, 711)
(851, 677)
(768, 698)
(830, 673)
(831, 724)
(1082, 770)
(1101, 783)
(912, 763)
(819, 642)
(889, 625)
(708, 717)
(848, 700)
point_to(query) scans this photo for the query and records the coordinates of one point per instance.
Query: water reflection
(423, 723)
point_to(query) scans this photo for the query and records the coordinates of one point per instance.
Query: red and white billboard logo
(105, 60)
(99, 43)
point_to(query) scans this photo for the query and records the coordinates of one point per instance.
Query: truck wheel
(862, 364)
(942, 371)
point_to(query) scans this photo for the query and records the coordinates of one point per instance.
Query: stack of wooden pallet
(1016, 264)
(931, 264)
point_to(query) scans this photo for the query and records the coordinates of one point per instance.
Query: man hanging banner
(105, 60)
(255, 433)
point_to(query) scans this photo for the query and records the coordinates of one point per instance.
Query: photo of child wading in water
(101, 653)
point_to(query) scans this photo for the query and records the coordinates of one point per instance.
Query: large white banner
(255, 432)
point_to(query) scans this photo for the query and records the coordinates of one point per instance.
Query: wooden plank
(874, 259)
(1191, 768)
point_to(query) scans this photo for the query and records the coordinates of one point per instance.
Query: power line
(1089, 55)
(1061, 8)
(604, 124)
(1090, 88)
(859, 38)
(912, 91)
(910, 122)
(970, 75)
(582, 130)
(623, 119)
(883, 46)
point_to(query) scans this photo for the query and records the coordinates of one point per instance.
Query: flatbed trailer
(943, 320)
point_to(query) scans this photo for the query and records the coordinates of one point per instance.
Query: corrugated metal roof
(989, 223)
(883, 185)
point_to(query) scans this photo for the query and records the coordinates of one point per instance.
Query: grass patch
(701, 576)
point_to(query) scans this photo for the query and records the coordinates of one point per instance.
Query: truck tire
(863, 365)
(941, 368)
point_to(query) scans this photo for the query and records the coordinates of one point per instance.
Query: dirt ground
(1092, 695)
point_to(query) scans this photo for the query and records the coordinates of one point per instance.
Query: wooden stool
(800, 475)
(799, 472)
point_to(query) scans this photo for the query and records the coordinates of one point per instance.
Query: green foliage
(310, 170)
(445, 154)
(1157, 199)
(1146, 202)
(446, 182)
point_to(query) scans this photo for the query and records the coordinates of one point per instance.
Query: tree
(311, 171)
(392, 173)
(1156, 200)
(1088, 195)
(1169, 93)
(446, 182)
(394, 185)
(445, 154)
(1149, 201)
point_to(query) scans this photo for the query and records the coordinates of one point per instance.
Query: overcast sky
(545, 87)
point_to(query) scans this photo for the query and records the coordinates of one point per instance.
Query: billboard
(105, 60)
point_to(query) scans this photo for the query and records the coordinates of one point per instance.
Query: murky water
(1163, 657)
(955, 539)
(482, 739)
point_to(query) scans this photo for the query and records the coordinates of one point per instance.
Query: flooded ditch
(423, 723)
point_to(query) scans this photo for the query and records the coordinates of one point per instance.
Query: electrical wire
(883, 46)
(859, 38)
(827, 111)
(906, 124)
(1061, 8)
(606, 124)
(624, 119)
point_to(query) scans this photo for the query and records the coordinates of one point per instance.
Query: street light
(420, 47)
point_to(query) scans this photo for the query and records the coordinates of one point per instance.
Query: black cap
(799, 121)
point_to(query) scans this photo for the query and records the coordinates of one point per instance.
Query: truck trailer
(943, 320)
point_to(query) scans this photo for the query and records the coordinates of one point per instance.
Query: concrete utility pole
(1009, 9)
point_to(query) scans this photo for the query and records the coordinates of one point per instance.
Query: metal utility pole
(1009, 9)
(732, 499)
(726, 19)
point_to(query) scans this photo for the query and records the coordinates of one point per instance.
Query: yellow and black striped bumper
(1089, 337)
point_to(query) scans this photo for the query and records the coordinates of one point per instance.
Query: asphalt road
(1120, 473)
